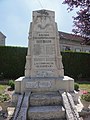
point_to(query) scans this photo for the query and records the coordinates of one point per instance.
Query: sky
(16, 15)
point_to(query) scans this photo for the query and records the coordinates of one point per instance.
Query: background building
(2, 39)
(67, 42)
(73, 42)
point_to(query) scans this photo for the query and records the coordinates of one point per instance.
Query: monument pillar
(44, 69)
(43, 57)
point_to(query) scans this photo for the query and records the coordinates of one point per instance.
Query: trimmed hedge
(12, 63)
(76, 65)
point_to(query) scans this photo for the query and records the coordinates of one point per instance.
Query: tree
(82, 20)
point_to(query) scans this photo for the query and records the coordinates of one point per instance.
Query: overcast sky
(16, 15)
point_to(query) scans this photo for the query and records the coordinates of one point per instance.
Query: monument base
(23, 84)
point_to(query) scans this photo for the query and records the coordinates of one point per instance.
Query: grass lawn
(2, 88)
(84, 86)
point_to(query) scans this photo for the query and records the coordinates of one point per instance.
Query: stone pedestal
(43, 84)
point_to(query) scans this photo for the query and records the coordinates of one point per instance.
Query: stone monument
(38, 93)
(43, 58)
(44, 69)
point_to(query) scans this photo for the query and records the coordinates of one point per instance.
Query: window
(87, 51)
(77, 49)
(66, 48)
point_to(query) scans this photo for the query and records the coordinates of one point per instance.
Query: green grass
(84, 86)
(2, 88)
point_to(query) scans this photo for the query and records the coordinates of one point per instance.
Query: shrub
(4, 97)
(86, 97)
(11, 84)
(76, 86)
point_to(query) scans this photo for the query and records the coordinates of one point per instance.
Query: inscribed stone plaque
(31, 84)
(44, 84)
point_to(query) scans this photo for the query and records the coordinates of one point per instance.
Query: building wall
(2, 42)
(73, 45)
(2, 39)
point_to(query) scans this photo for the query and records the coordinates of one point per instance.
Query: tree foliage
(82, 20)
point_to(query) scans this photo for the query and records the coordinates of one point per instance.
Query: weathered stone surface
(22, 107)
(47, 98)
(18, 84)
(45, 84)
(43, 71)
(43, 57)
(53, 84)
(32, 84)
(71, 112)
(22, 114)
(36, 84)
(20, 98)
(44, 68)
(46, 112)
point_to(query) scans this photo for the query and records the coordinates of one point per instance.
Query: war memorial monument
(39, 94)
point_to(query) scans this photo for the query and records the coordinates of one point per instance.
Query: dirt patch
(3, 114)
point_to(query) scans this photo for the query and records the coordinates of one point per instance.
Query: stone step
(48, 98)
(46, 113)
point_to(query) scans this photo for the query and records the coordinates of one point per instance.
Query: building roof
(69, 36)
(1, 34)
